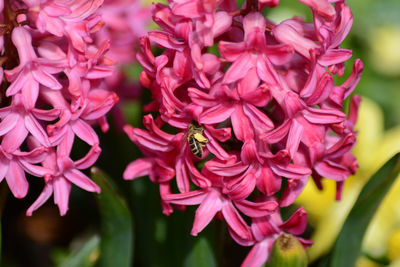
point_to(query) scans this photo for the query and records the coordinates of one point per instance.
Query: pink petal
(239, 68)
(182, 178)
(259, 254)
(137, 168)
(166, 40)
(241, 124)
(62, 189)
(8, 123)
(235, 221)
(190, 198)
(189, 9)
(89, 159)
(210, 205)
(85, 132)
(297, 223)
(260, 121)
(216, 114)
(332, 170)
(16, 180)
(256, 209)
(46, 79)
(294, 137)
(231, 51)
(335, 56)
(322, 7)
(78, 178)
(33, 126)
(292, 191)
(268, 182)
(14, 138)
(43, 197)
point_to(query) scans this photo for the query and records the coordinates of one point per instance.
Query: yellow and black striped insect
(196, 139)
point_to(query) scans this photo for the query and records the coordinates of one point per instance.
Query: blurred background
(46, 239)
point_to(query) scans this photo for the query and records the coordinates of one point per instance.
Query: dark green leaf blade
(348, 244)
(201, 254)
(117, 231)
(84, 256)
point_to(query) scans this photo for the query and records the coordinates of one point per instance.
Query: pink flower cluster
(52, 91)
(124, 22)
(267, 112)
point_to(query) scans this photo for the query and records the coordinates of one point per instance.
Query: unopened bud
(288, 252)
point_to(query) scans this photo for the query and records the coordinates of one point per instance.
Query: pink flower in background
(251, 109)
(54, 92)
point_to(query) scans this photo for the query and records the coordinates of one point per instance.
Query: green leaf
(348, 244)
(116, 221)
(201, 254)
(85, 255)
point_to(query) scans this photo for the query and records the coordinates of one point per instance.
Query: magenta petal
(266, 71)
(239, 68)
(85, 132)
(8, 123)
(35, 170)
(322, 7)
(294, 137)
(216, 114)
(241, 124)
(215, 148)
(297, 223)
(268, 182)
(335, 56)
(324, 116)
(18, 83)
(287, 34)
(240, 187)
(62, 189)
(14, 138)
(34, 127)
(89, 159)
(46, 79)
(253, 22)
(16, 180)
(166, 40)
(225, 169)
(137, 168)
(256, 209)
(78, 178)
(292, 191)
(332, 170)
(43, 197)
(231, 51)
(189, 198)
(322, 90)
(291, 171)
(279, 54)
(188, 9)
(182, 178)
(235, 221)
(210, 205)
(278, 133)
(260, 121)
(259, 254)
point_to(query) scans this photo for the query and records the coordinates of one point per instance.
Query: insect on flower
(196, 139)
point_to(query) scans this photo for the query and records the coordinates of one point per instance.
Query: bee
(196, 139)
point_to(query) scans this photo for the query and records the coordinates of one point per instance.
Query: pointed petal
(210, 205)
(43, 197)
(138, 168)
(78, 178)
(16, 180)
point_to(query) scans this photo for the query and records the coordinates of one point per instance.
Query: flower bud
(288, 252)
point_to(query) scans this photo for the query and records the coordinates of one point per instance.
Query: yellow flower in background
(384, 42)
(374, 147)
